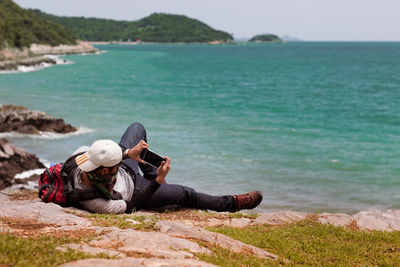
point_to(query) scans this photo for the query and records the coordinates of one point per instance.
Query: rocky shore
(172, 240)
(12, 58)
(14, 160)
(22, 120)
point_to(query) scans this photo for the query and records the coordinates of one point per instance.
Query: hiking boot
(249, 200)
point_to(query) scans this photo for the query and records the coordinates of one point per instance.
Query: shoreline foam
(47, 135)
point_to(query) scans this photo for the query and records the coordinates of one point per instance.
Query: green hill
(157, 27)
(271, 38)
(20, 28)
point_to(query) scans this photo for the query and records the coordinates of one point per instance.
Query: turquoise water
(315, 126)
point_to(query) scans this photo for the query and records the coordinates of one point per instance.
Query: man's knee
(137, 127)
(133, 134)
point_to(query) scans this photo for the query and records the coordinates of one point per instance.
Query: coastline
(39, 56)
(369, 219)
(216, 42)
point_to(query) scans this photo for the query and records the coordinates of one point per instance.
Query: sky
(308, 20)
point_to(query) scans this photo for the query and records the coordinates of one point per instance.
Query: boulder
(193, 232)
(150, 244)
(378, 220)
(336, 219)
(14, 160)
(149, 262)
(22, 120)
(280, 217)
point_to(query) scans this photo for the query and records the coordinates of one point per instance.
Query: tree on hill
(20, 28)
(157, 27)
(266, 38)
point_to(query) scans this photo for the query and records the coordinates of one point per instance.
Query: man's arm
(139, 200)
(102, 205)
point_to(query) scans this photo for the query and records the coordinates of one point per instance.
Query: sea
(315, 126)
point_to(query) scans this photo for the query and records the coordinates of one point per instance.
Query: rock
(131, 242)
(280, 217)
(154, 262)
(91, 250)
(14, 63)
(185, 231)
(377, 220)
(213, 222)
(336, 219)
(37, 54)
(81, 47)
(240, 222)
(51, 214)
(14, 160)
(22, 120)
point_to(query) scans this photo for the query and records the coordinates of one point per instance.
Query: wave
(59, 60)
(27, 174)
(31, 185)
(98, 52)
(22, 68)
(47, 135)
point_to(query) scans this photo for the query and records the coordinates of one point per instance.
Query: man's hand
(134, 153)
(163, 170)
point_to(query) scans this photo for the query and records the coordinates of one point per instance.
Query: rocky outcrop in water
(14, 160)
(27, 62)
(12, 58)
(80, 48)
(22, 120)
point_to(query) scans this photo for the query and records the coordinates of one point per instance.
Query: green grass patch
(18, 251)
(238, 215)
(124, 221)
(310, 243)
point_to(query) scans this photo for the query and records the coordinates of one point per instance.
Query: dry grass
(24, 195)
(23, 227)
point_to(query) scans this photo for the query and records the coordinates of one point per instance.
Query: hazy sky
(311, 20)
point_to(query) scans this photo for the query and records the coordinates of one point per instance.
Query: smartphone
(152, 158)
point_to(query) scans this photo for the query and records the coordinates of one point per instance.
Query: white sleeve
(101, 205)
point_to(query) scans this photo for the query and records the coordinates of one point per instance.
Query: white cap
(104, 153)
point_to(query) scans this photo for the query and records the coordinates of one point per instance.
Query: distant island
(158, 27)
(266, 38)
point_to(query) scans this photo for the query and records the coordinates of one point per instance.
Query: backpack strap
(67, 175)
(129, 171)
(70, 164)
(51, 186)
(74, 194)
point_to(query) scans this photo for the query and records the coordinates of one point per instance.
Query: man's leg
(133, 134)
(173, 194)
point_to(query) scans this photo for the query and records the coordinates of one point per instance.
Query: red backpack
(56, 184)
(52, 188)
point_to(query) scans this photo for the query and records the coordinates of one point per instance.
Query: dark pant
(168, 194)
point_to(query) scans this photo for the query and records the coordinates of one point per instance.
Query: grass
(124, 221)
(19, 251)
(310, 243)
(238, 215)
